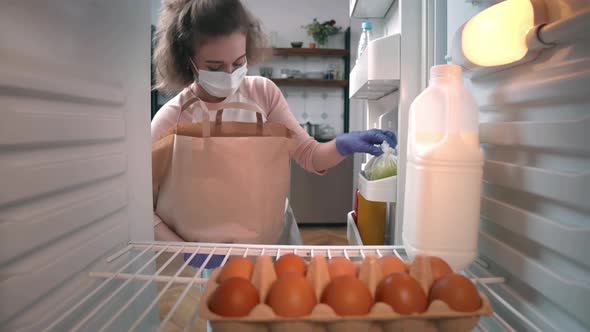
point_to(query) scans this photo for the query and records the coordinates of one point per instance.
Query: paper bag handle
(219, 115)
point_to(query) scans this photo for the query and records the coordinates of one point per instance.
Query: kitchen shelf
(343, 54)
(309, 82)
(133, 273)
(311, 51)
(370, 8)
(377, 73)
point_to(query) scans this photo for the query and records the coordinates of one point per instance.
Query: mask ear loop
(195, 75)
(194, 69)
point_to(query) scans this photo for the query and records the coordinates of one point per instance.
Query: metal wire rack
(136, 272)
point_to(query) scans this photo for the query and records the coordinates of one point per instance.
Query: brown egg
(341, 266)
(291, 295)
(456, 291)
(403, 293)
(391, 264)
(236, 267)
(235, 297)
(290, 263)
(348, 296)
(439, 268)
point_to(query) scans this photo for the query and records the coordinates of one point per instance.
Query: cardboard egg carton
(381, 318)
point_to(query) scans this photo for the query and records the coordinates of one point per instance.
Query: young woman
(203, 49)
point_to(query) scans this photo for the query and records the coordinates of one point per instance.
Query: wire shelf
(137, 273)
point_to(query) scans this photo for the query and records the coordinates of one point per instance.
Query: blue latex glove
(198, 260)
(364, 141)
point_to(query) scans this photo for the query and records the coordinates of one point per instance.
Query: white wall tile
(294, 96)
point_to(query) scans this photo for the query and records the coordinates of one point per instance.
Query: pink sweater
(254, 89)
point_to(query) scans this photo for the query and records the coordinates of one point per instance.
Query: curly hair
(185, 24)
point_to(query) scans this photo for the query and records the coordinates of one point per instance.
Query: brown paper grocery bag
(223, 181)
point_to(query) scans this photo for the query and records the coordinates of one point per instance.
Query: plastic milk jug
(443, 171)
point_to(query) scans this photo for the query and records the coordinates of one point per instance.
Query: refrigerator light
(499, 35)
(513, 32)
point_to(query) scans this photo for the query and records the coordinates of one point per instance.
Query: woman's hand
(364, 141)
(328, 155)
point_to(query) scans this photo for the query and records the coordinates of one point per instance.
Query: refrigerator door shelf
(383, 190)
(370, 8)
(352, 232)
(377, 72)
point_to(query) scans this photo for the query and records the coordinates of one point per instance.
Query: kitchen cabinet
(321, 199)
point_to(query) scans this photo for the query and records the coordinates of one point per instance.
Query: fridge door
(74, 148)
(535, 214)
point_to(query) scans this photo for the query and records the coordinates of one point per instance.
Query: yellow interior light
(497, 35)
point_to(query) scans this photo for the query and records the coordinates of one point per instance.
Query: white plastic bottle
(443, 171)
(366, 36)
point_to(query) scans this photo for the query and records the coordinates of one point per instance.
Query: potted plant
(320, 32)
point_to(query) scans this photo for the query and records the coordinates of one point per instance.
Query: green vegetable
(382, 166)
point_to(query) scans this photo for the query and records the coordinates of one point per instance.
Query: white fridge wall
(74, 148)
(535, 129)
(412, 82)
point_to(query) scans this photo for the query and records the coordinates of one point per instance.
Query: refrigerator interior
(76, 249)
(534, 125)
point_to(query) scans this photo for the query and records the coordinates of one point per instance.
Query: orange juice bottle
(371, 221)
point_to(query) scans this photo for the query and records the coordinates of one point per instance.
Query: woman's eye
(237, 65)
(215, 69)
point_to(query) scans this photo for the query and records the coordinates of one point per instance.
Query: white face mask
(219, 83)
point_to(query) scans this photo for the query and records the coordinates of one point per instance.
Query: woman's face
(225, 53)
